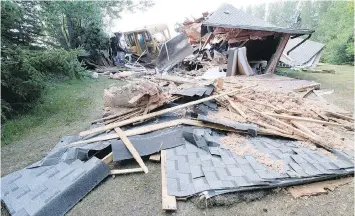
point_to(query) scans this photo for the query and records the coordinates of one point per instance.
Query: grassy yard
(62, 104)
(342, 82)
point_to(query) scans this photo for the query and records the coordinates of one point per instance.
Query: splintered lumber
(168, 201)
(108, 159)
(235, 107)
(290, 112)
(121, 118)
(315, 86)
(294, 130)
(307, 93)
(176, 79)
(151, 115)
(320, 114)
(305, 129)
(328, 113)
(131, 149)
(304, 119)
(155, 157)
(115, 115)
(126, 171)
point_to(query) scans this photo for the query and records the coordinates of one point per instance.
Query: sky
(172, 11)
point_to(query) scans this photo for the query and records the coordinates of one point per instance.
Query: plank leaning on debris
(131, 149)
(153, 114)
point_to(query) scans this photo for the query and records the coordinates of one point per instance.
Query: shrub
(24, 74)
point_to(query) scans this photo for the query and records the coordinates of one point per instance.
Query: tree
(73, 24)
(336, 30)
(20, 24)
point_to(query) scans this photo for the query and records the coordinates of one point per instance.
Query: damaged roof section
(227, 16)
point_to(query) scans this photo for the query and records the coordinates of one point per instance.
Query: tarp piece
(150, 143)
(63, 153)
(252, 129)
(196, 91)
(173, 52)
(191, 170)
(51, 190)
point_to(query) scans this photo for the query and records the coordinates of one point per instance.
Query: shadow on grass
(61, 104)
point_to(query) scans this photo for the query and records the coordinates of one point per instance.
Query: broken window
(130, 39)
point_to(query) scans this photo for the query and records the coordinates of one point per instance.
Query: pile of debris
(213, 133)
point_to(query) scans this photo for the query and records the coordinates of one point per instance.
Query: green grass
(62, 104)
(342, 82)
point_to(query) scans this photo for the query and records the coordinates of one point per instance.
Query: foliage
(24, 73)
(336, 29)
(63, 104)
(75, 24)
(20, 25)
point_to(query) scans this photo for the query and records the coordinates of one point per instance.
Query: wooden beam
(168, 201)
(131, 148)
(153, 114)
(320, 114)
(270, 68)
(115, 115)
(176, 79)
(235, 107)
(126, 171)
(108, 158)
(314, 86)
(296, 118)
(328, 113)
(307, 93)
(305, 129)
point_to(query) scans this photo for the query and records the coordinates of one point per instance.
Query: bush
(24, 74)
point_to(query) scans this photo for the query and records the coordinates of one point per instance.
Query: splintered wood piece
(236, 107)
(153, 114)
(155, 157)
(126, 171)
(304, 119)
(168, 201)
(131, 149)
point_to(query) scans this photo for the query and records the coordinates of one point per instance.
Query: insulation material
(243, 65)
(134, 94)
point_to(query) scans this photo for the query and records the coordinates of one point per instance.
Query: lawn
(342, 82)
(62, 104)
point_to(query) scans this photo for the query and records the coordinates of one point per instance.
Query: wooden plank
(320, 114)
(314, 86)
(131, 149)
(294, 130)
(115, 115)
(307, 93)
(168, 201)
(236, 108)
(339, 116)
(126, 171)
(296, 118)
(270, 68)
(155, 157)
(305, 129)
(108, 159)
(153, 114)
(176, 79)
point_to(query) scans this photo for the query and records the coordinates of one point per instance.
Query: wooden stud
(168, 201)
(131, 149)
(340, 116)
(115, 115)
(126, 171)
